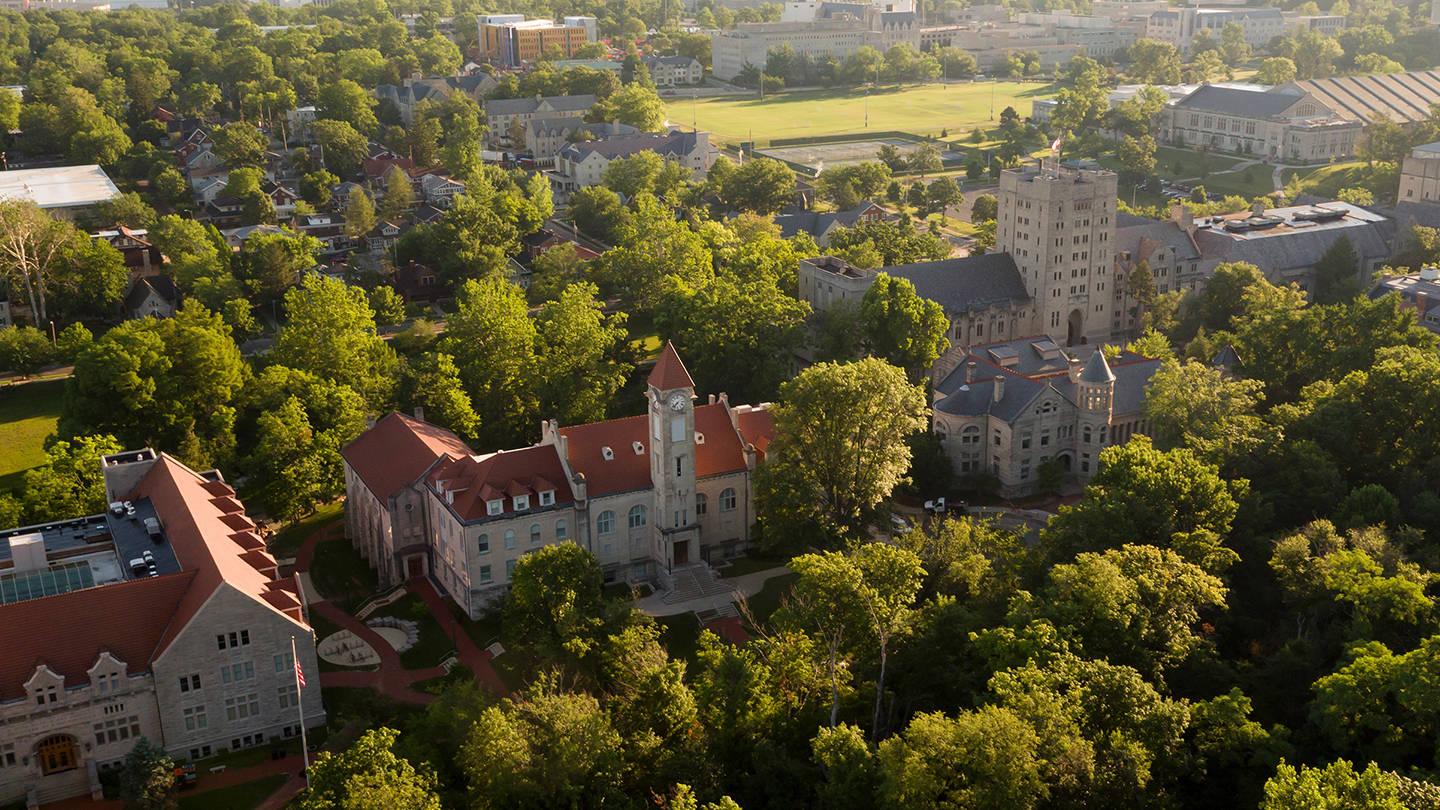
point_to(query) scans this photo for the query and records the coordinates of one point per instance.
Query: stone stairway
(695, 582)
(725, 611)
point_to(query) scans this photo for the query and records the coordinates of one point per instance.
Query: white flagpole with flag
(300, 706)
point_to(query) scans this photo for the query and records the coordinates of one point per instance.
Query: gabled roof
(1233, 101)
(626, 470)
(622, 146)
(397, 451)
(1401, 97)
(500, 476)
(126, 619)
(522, 106)
(162, 286)
(970, 282)
(670, 372)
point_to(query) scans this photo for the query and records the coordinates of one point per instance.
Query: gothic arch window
(637, 516)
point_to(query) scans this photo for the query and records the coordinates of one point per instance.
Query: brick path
(476, 659)
(211, 781)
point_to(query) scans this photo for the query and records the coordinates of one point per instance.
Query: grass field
(244, 796)
(919, 109)
(1326, 181)
(28, 414)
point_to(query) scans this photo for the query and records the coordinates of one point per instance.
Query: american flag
(299, 673)
(1055, 147)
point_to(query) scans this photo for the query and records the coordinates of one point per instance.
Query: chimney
(577, 487)
(712, 399)
(970, 372)
(1257, 208)
(369, 421)
(999, 387)
(122, 471)
(1181, 216)
(1074, 370)
(420, 412)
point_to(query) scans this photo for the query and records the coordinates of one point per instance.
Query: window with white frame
(483, 546)
(547, 498)
(485, 576)
(493, 508)
(637, 516)
(194, 717)
(509, 538)
(605, 523)
(522, 502)
(535, 535)
(561, 534)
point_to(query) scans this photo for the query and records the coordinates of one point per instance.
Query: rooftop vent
(638, 448)
(607, 454)
(1430, 273)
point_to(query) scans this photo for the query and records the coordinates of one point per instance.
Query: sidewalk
(212, 781)
(476, 659)
(744, 586)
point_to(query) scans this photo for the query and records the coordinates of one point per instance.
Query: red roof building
(646, 494)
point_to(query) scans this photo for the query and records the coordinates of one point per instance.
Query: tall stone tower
(672, 459)
(1058, 223)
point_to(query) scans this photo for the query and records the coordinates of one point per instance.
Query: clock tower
(672, 459)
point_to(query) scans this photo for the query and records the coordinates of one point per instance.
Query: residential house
(820, 224)
(655, 497)
(506, 117)
(674, 71)
(328, 228)
(151, 297)
(382, 238)
(141, 257)
(163, 617)
(579, 165)
(439, 190)
(418, 284)
(1418, 291)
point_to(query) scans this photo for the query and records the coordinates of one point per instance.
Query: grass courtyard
(28, 413)
(920, 109)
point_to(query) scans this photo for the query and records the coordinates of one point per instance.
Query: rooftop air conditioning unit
(1430, 273)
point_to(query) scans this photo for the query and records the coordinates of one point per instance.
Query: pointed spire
(1097, 370)
(670, 372)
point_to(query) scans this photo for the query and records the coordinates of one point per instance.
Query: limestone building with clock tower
(653, 496)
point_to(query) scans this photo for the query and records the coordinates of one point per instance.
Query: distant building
(543, 138)
(674, 71)
(62, 191)
(579, 165)
(1420, 174)
(415, 89)
(1327, 24)
(1179, 26)
(1418, 291)
(506, 117)
(151, 297)
(1006, 409)
(510, 39)
(1280, 124)
(820, 224)
(141, 257)
(164, 617)
(1401, 97)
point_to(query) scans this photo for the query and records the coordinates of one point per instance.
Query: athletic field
(919, 109)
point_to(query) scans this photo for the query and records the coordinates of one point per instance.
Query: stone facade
(1420, 174)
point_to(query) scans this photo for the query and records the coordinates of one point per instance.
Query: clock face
(677, 402)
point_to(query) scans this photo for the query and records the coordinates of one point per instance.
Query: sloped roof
(397, 450)
(970, 282)
(1096, 369)
(1233, 101)
(623, 146)
(757, 427)
(670, 372)
(521, 106)
(126, 618)
(501, 476)
(721, 453)
(1401, 97)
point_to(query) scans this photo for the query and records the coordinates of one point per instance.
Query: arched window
(509, 538)
(727, 500)
(637, 516)
(701, 503)
(970, 435)
(484, 544)
(605, 524)
(560, 533)
(1085, 434)
(534, 532)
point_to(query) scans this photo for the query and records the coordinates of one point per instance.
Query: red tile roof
(69, 630)
(475, 479)
(397, 451)
(669, 371)
(721, 453)
(757, 427)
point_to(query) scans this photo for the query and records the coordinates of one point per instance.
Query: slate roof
(1096, 369)
(522, 106)
(1141, 239)
(623, 146)
(967, 283)
(162, 286)
(1229, 100)
(1285, 247)
(816, 223)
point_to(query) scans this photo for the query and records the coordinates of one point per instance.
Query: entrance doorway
(414, 567)
(1076, 333)
(57, 754)
(682, 552)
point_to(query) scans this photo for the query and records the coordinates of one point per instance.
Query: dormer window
(547, 498)
(522, 502)
(494, 507)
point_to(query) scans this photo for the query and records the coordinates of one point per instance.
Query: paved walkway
(745, 586)
(230, 777)
(476, 659)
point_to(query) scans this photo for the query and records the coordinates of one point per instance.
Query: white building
(1180, 25)
(62, 191)
(1420, 174)
(579, 165)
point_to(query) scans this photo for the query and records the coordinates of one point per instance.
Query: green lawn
(341, 575)
(740, 566)
(680, 634)
(768, 600)
(284, 543)
(1252, 181)
(1187, 163)
(244, 796)
(919, 109)
(1326, 181)
(28, 414)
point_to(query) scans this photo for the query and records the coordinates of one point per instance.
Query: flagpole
(300, 707)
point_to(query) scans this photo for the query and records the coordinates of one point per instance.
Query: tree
(433, 382)
(240, 144)
(847, 186)
(1144, 496)
(598, 211)
(147, 778)
(1373, 63)
(656, 254)
(901, 327)
(985, 208)
(555, 606)
(270, 263)
(1337, 274)
(1335, 787)
(388, 306)
(635, 104)
(1136, 115)
(1197, 406)
(738, 335)
(493, 342)
(128, 209)
(343, 148)
(344, 100)
(31, 246)
(399, 195)
(1275, 70)
(916, 196)
(25, 350)
(315, 187)
(1356, 196)
(942, 194)
(984, 758)
(369, 774)
(359, 213)
(330, 332)
(1137, 157)
(579, 349)
(761, 186)
(70, 480)
(925, 159)
(838, 461)
(1233, 46)
(1154, 62)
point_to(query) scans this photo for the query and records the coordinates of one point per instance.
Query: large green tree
(901, 327)
(330, 332)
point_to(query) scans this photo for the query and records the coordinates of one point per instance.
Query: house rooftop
(59, 186)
